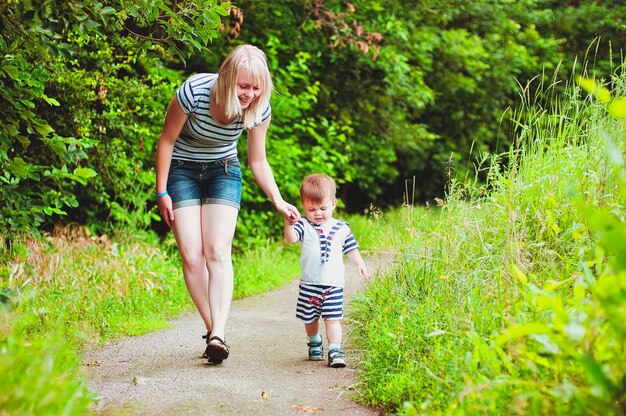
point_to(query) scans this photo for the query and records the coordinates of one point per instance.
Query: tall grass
(501, 305)
(70, 291)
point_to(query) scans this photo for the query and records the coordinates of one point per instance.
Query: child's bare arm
(357, 260)
(290, 233)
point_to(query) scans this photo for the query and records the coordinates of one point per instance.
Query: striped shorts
(317, 300)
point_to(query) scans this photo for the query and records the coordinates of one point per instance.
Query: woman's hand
(288, 211)
(164, 204)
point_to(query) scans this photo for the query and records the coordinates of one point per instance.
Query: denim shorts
(198, 183)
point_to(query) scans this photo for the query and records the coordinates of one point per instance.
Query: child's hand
(363, 274)
(291, 219)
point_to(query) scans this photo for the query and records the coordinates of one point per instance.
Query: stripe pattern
(319, 300)
(325, 240)
(203, 138)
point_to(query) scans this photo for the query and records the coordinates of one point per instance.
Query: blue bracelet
(161, 195)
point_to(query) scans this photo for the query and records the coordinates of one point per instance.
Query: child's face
(318, 213)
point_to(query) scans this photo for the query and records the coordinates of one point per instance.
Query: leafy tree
(375, 93)
(59, 61)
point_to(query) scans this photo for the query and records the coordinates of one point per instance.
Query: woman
(198, 177)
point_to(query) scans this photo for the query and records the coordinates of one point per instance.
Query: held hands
(288, 211)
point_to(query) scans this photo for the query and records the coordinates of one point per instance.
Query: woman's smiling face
(247, 90)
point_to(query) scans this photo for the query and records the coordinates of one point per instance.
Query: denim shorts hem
(220, 201)
(186, 203)
(207, 201)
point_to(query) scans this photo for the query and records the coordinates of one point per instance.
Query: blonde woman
(198, 177)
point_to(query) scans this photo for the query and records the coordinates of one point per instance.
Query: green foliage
(181, 27)
(59, 64)
(413, 86)
(589, 31)
(117, 285)
(513, 302)
(65, 292)
(68, 291)
(374, 93)
(30, 185)
(41, 378)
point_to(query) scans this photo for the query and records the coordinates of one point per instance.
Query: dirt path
(267, 373)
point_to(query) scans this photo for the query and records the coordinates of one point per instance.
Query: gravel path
(267, 373)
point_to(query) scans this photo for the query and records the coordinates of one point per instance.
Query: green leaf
(43, 128)
(211, 18)
(223, 8)
(81, 175)
(52, 210)
(51, 101)
(591, 86)
(611, 232)
(107, 10)
(11, 71)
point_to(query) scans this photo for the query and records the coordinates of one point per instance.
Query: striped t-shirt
(323, 247)
(203, 138)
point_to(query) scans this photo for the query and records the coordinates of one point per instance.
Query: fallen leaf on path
(264, 395)
(307, 409)
(93, 363)
(139, 381)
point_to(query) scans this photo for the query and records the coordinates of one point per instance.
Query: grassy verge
(70, 291)
(512, 301)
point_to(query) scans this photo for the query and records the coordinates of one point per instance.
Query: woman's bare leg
(218, 229)
(187, 231)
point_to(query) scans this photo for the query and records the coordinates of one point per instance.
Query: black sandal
(218, 351)
(205, 354)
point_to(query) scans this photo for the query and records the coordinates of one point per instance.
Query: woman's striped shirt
(203, 138)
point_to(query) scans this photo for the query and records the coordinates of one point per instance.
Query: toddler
(324, 241)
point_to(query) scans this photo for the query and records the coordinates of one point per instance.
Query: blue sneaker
(316, 350)
(336, 358)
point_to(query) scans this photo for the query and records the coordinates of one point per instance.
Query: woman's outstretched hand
(288, 211)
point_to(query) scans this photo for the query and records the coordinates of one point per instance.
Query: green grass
(510, 301)
(71, 291)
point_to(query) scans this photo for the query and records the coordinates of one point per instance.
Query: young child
(324, 240)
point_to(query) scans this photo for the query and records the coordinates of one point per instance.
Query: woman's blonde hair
(250, 61)
(317, 187)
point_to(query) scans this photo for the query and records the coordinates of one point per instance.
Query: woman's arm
(262, 171)
(174, 121)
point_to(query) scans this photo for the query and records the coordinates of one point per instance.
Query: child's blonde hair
(317, 187)
(251, 61)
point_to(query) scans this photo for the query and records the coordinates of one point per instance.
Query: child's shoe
(316, 350)
(336, 358)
